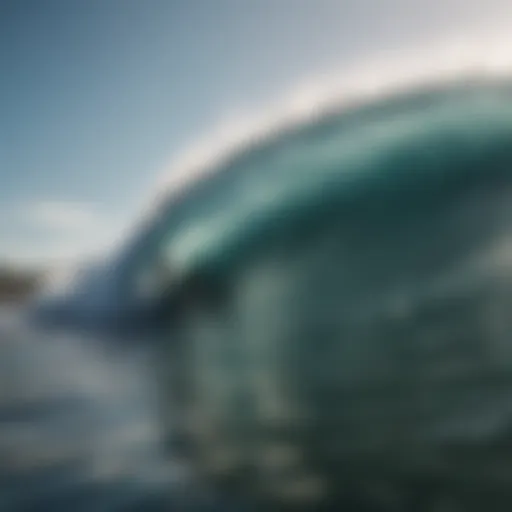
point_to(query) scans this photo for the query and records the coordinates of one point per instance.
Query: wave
(401, 144)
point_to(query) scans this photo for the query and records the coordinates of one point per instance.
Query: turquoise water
(405, 146)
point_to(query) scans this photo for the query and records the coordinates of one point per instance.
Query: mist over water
(76, 418)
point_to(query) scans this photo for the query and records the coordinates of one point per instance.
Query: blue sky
(97, 96)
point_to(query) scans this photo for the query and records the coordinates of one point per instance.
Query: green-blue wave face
(399, 151)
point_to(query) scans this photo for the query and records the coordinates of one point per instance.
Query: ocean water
(80, 426)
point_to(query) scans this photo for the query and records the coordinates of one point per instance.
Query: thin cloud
(25, 253)
(61, 215)
(48, 232)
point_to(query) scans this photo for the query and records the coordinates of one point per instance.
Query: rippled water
(77, 425)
